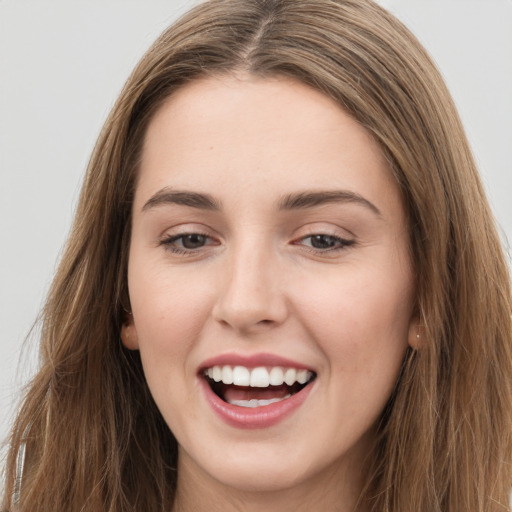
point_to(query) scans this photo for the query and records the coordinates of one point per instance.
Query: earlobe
(416, 338)
(129, 334)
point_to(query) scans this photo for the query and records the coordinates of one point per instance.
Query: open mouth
(256, 387)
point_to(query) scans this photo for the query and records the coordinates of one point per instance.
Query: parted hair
(95, 441)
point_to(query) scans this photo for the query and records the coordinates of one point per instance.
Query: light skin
(301, 251)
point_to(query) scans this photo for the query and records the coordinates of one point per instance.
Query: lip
(252, 361)
(258, 417)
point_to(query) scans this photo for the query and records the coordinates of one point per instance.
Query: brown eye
(187, 242)
(322, 242)
(193, 241)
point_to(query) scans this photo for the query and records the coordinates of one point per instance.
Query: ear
(416, 338)
(129, 333)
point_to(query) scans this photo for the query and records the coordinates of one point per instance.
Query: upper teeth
(259, 377)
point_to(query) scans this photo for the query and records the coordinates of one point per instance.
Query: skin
(258, 283)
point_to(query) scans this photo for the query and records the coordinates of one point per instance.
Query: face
(270, 281)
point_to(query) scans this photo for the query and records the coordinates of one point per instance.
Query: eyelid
(171, 237)
(187, 228)
(324, 228)
(181, 251)
(344, 243)
(345, 238)
(174, 234)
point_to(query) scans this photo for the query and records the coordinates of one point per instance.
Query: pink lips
(258, 417)
(252, 361)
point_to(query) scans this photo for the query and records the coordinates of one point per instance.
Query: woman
(283, 289)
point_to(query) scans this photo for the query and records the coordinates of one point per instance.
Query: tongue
(246, 393)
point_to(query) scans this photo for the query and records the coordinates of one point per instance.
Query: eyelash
(340, 243)
(169, 242)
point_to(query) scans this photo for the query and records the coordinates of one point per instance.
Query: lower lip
(257, 417)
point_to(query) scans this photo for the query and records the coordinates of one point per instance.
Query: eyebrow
(184, 198)
(295, 201)
(304, 200)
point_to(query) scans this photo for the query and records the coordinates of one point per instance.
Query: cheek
(169, 312)
(360, 319)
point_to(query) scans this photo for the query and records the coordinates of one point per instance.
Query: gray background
(62, 65)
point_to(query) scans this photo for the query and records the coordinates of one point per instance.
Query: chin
(257, 477)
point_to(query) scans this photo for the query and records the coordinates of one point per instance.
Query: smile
(256, 387)
(256, 391)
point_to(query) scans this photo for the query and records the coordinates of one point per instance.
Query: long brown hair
(94, 438)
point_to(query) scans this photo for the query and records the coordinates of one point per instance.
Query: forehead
(226, 133)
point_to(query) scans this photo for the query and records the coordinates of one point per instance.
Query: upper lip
(252, 361)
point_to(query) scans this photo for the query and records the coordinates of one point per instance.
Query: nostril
(244, 305)
(245, 323)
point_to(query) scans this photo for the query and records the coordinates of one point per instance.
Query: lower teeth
(257, 403)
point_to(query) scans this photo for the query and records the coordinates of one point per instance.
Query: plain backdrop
(62, 65)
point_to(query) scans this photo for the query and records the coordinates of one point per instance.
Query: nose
(252, 294)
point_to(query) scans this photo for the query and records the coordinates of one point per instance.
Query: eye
(187, 242)
(192, 241)
(323, 242)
